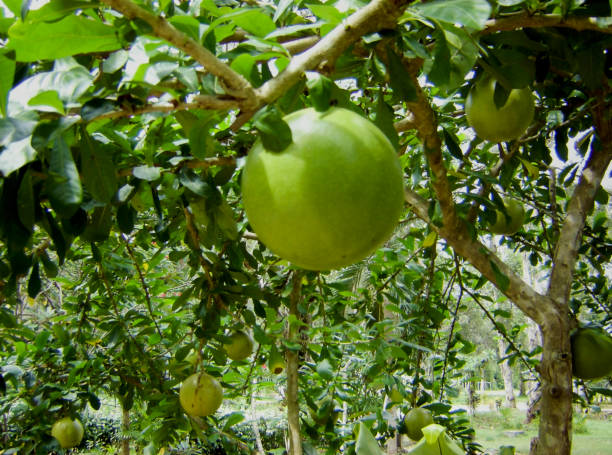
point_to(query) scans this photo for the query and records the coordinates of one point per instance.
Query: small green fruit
(591, 353)
(331, 197)
(498, 125)
(68, 432)
(240, 346)
(512, 222)
(415, 420)
(200, 395)
(276, 362)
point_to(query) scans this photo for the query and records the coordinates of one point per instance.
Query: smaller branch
(292, 359)
(406, 124)
(236, 85)
(143, 282)
(549, 20)
(200, 102)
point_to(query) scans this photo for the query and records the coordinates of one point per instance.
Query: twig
(525, 20)
(235, 83)
(292, 359)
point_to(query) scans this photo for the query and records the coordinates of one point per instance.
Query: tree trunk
(556, 391)
(293, 363)
(471, 395)
(506, 372)
(125, 426)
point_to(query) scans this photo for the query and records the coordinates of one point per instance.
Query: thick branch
(376, 15)
(236, 85)
(550, 20)
(581, 202)
(485, 261)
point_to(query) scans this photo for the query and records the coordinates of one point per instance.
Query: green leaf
(325, 369)
(439, 72)
(399, 78)
(69, 36)
(148, 173)
(366, 444)
(98, 170)
(126, 218)
(48, 98)
(63, 185)
(254, 21)
(233, 419)
(7, 69)
(14, 6)
(501, 280)
(25, 201)
(385, 118)
(34, 283)
(591, 65)
(275, 133)
(56, 9)
(319, 91)
(561, 143)
(470, 13)
(98, 229)
(451, 144)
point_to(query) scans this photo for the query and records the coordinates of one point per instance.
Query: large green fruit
(68, 432)
(498, 124)
(510, 222)
(200, 395)
(240, 346)
(331, 197)
(415, 420)
(591, 353)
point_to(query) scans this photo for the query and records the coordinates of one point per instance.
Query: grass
(592, 436)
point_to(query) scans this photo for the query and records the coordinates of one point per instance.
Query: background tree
(123, 146)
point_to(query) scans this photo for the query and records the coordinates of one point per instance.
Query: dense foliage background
(126, 257)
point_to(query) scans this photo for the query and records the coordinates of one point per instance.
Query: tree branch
(236, 85)
(293, 364)
(525, 20)
(376, 15)
(485, 261)
(582, 199)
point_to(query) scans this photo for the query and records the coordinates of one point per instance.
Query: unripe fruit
(415, 420)
(68, 432)
(591, 353)
(200, 395)
(331, 197)
(512, 223)
(240, 347)
(498, 124)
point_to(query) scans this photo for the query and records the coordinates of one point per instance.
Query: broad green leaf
(69, 36)
(115, 61)
(254, 21)
(327, 13)
(148, 173)
(16, 155)
(275, 133)
(430, 240)
(319, 91)
(63, 184)
(470, 13)
(224, 217)
(385, 118)
(283, 6)
(399, 78)
(439, 72)
(48, 98)
(325, 369)
(99, 175)
(14, 6)
(7, 69)
(99, 227)
(188, 25)
(56, 9)
(34, 283)
(366, 444)
(25, 201)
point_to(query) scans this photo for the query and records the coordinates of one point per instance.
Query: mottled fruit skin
(415, 420)
(591, 353)
(68, 432)
(240, 347)
(509, 226)
(200, 395)
(498, 125)
(331, 197)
